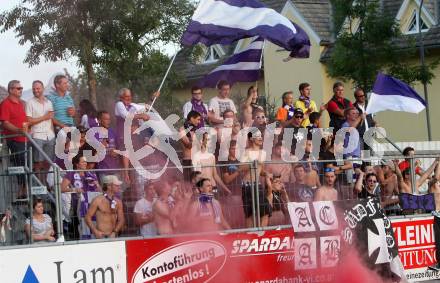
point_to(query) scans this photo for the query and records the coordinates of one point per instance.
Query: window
(413, 26)
(213, 54)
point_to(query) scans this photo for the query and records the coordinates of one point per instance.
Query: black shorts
(264, 205)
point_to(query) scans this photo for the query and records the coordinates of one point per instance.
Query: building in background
(315, 17)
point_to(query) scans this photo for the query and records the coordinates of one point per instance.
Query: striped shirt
(60, 105)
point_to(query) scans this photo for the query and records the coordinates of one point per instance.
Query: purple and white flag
(225, 21)
(392, 94)
(241, 67)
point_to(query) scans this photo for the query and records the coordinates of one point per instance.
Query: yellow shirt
(300, 104)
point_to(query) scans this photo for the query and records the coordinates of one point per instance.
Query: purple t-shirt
(109, 162)
(86, 182)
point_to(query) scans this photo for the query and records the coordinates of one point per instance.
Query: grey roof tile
(317, 14)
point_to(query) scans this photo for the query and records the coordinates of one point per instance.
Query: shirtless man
(205, 213)
(163, 214)
(107, 209)
(388, 185)
(328, 191)
(204, 161)
(254, 153)
(193, 120)
(404, 178)
(249, 106)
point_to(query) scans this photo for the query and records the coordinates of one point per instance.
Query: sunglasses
(372, 181)
(299, 116)
(359, 96)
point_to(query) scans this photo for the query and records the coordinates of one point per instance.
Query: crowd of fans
(213, 193)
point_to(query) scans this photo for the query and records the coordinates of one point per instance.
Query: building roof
(317, 14)
(431, 38)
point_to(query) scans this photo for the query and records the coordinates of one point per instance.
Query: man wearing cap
(108, 210)
(328, 191)
(295, 125)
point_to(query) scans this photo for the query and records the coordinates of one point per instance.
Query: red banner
(415, 239)
(266, 256)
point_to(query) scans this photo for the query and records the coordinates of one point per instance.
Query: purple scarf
(197, 105)
(290, 110)
(204, 200)
(306, 101)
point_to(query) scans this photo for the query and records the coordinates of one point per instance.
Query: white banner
(94, 262)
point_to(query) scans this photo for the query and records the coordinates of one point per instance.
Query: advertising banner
(100, 262)
(266, 257)
(415, 239)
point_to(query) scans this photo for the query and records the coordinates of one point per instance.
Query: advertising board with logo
(266, 256)
(99, 263)
(415, 239)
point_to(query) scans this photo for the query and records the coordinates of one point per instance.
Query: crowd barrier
(266, 255)
(37, 185)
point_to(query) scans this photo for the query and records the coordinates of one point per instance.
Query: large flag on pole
(241, 67)
(225, 21)
(392, 94)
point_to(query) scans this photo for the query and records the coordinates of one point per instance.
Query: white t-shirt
(36, 109)
(220, 105)
(143, 207)
(121, 110)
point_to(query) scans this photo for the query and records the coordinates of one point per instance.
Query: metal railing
(231, 204)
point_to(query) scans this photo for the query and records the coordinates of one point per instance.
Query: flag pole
(163, 80)
(261, 61)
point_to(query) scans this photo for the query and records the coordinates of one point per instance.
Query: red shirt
(332, 106)
(405, 165)
(14, 113)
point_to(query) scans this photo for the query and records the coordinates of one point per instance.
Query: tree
(370, 41)
(115, 36)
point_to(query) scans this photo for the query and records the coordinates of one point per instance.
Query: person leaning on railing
(42, 228)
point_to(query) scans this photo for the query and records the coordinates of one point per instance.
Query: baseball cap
(298, 111)
(390, 164)
(111, 179)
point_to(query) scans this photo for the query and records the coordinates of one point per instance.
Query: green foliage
(370, 41)
(121, 40)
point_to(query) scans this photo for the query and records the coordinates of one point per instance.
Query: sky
(13, 55)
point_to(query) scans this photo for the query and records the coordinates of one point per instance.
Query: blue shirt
(356, 153)
(60, 105)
